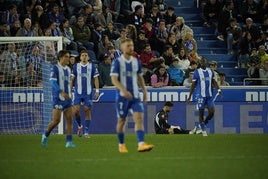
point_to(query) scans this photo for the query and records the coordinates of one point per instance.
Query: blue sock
(69, 138)
(47, 133)
(121, 137)
(78, 120)
(202, 125)
(140, 135)
(87, 124)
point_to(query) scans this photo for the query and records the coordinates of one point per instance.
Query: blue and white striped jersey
(128, 72)
(62, 76)
(204, 82)
(84, 75)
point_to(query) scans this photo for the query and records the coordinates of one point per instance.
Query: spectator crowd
(163, 41)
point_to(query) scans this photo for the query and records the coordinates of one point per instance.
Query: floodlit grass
(174, 156)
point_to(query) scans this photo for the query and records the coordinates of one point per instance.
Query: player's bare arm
(143, 87)
(97, 86)
(118, 85)
(191, 92)
(216, 86)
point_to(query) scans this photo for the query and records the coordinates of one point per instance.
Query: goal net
(25, 92)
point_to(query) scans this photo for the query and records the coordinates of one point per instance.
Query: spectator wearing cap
(104, 69)
(188, 81)
(176, 74)
(139, 45)
(222, 80)
(147, 73)
(169, 16)
(213, 66)
(193, 66)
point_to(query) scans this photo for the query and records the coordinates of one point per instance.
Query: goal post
(25, 92)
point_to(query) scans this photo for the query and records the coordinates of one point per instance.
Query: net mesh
(25, 93)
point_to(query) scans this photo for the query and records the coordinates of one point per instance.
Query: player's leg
(56, 117)
(120, 129)
(69, 127)
(87, 108)
(87, 120)
(211, 110)
(202, 103)
(138, 114)
(76, 113)
(122, 111)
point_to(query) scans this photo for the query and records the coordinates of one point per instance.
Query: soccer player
(161, 124)
(204, 81)
(126, 75)
(61, 94)
(82, 76)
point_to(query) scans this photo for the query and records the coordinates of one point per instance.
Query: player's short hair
(126, 40)
(169, 104)
(62, 53)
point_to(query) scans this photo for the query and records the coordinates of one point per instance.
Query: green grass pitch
(174, 156)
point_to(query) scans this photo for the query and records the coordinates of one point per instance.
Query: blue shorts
(204, 102)
(85, 100)
(61, 105)
(123, 106)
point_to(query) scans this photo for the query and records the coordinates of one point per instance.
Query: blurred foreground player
(126, 75)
